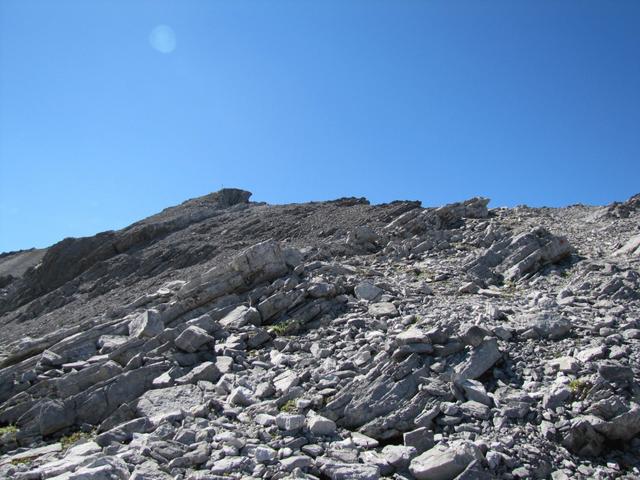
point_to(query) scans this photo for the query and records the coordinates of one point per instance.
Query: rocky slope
(224, 339)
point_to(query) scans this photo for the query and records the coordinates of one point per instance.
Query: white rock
(241, 396)
(286, 380)
(444, 463)
(290, 421)
(319, 425)
(383, 309)
(412, 335)
(265, 454)
(147, 324)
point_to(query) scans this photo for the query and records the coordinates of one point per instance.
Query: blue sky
(529, 102)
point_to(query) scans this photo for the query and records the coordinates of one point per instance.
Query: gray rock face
(276, 304)
(207, 371)
(336, 470)
(520, 255)
(168, 400)
(148, 324)
(54, 415)
(364, 237)
(319, 425)
(545, 326)
(614, 372)
(421, 439)
(328, 340)
(444, 463)
(383, 309)
(367, 291)
(632, 247)
(77, 382)
(583, 439)
(241, 316)
(622, 427)
(287, 421)
(193, 338)
(262, 262)
(383, 403)
(481, 359)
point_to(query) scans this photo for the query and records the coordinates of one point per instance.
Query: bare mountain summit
(227, 339)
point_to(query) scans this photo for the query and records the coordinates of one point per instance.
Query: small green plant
(579, 387)
(8, 429)
(289, 406)
(22, 461)
(73, 438)
(285, 328)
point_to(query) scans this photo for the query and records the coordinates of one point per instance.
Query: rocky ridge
(225, 339)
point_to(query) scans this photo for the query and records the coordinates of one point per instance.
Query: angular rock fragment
(367, 291)
(193, 338)
(241, 396)
(205, 371)
(631, 248)
(476, 392)
(363, 237)
(51, 359)
(166, 400)
(545, 325)
(412, 335)
(614, 372)
(583, 439)
(286, 380)
(421, 439)
(148, 324)
(520, 255)
(319, 425)
(289, 421)
(444, 463)
(241, 316)
(383, 309)
(481, 359)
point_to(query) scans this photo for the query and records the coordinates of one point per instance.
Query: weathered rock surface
(444, 463)
(341, 340)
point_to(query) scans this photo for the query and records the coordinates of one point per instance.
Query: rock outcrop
(340, 340)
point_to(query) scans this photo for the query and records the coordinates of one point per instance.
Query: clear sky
(113, 110)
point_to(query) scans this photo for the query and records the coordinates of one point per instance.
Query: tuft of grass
(579, 387)
(73, 438)
(289, 406)
(285, 328)
(8, 429)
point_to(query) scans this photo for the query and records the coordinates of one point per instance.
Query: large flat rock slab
(166, 400)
